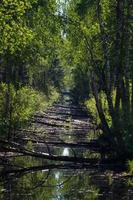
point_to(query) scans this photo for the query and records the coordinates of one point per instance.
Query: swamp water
(29, 178)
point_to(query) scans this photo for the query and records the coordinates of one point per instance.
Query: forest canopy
(82, 45)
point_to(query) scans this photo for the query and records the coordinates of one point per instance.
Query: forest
(74, 51)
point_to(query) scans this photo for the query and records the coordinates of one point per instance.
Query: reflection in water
(65, 152)
(57, 175)
(61, 184)
(57, 183)
(54, 183)
(38, 179)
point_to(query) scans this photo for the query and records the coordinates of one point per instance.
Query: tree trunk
(105, 126)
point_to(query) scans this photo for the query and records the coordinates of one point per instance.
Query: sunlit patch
(57, 175)
(65, 152)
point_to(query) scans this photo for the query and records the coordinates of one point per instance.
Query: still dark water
(29, 178)
(63, 184)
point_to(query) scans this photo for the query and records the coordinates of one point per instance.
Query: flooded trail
(59, 158)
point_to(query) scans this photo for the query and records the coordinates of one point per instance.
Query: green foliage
(99, 50)
(53, 96)
(106, 8)
(29, 65)
(29, 146)
(41, 56)
(130, 166)
(89, 42)
(15, 34)
(91, 106)
(81, 83)
(126, 129)
(22, 105)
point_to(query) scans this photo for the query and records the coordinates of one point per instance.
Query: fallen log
(92, 145)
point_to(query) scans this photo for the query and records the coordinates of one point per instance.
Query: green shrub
(130, 166)
(91, 107)
(123, 128)
(18, 106)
